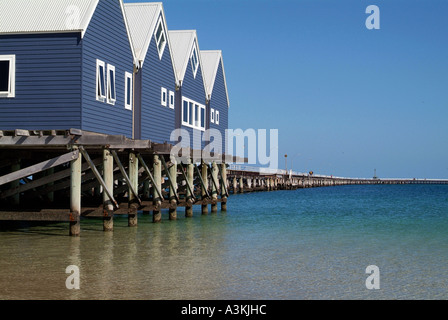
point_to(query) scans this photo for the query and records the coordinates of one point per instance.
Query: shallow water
(302, 244)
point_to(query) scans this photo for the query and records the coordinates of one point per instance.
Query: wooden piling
(75, 196)
(215, 171)
(157, 167)
(108, 174)
(224, 187)
(173, 191)
(204, 173)
(190, 196)
(133, 177)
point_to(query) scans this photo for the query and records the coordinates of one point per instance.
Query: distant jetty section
(247, 179)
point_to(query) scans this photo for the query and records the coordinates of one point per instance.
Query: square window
(171, 99)
(164, 97)
(217, 117)
(7, 76)
(128, 91)
(100, 80)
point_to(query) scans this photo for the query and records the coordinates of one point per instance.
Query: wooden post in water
(108, 208)
(133, 177)
(224, 187)
(190, 180)
(75, 196)
(241, 185)
(204, 174)
(173, 202)
(215, 170)
(157, 167)
(235, 185)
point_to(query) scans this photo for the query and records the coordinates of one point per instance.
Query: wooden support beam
(151, 177)
(132, 189)
(75, 195)
(134, 200)
(171, 179)
(45, 181)
(189, 186)
(158, 197)
(107, 159)
(108, 199)
(204, 191)
(190, 190)
(215, 187)
(224, 191)
(174, 197)
(39, 167)
(42, 215)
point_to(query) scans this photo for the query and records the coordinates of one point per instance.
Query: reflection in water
(304, 244)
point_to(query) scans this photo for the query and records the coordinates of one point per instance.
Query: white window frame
(110, 99)
(11, 92)
(163, 34)
(127, 76)
(217, 117)
(212, 115)
(194, 67)
(164, 94)
(171, 99)
(191, 117)
(100, 96)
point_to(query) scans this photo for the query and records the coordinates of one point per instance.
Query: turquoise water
(303, 244)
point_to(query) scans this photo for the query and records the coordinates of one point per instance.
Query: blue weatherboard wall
(106, 39)
(193, 88)
(157, 121)
(48, 78)
(219, 102)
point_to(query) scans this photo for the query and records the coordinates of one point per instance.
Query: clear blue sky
(346, 100)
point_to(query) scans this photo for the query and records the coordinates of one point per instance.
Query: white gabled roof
(142, 19)
(210, 63)
(182, 42)
(45, 16)
(50, 16)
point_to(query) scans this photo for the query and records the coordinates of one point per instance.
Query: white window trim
(164, 93)
(192, 116)
(100, 97)
(212, 115)
(194, 67)
(171, 99)
(127, 76)
(111, 100)
(217, 117)
(11, 93)
(161, 50)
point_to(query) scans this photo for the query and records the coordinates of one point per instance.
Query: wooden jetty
(67, 175)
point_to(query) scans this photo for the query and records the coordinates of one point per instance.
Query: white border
(99, 63)
(127, 76)
(201, 107)
(109, 89)
(11, 93)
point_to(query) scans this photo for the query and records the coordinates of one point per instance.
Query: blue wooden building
(155, 81)
(217, 93)
(191, 94)
(66, 64)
